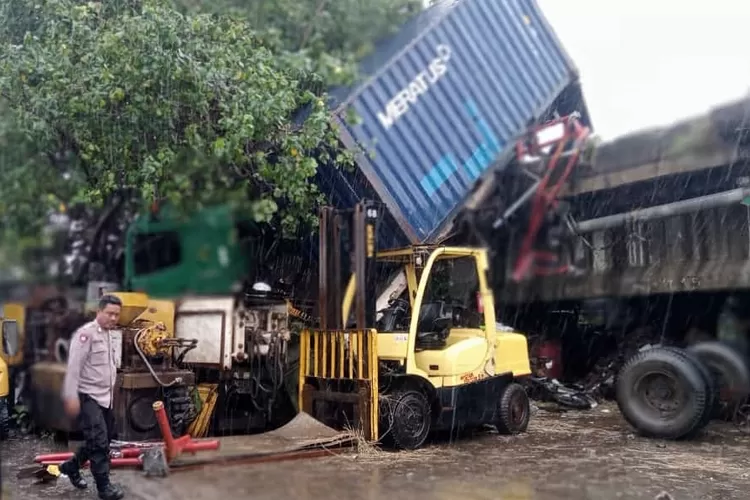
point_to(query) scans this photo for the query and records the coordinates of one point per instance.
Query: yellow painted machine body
(146, 321)
(140, 307)
(143, 324)
(4, 379)
(10, 345)
(15, 311)
(469, 358)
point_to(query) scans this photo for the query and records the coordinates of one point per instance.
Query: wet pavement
(564, 456)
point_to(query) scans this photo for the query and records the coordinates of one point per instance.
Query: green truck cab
(168, 255)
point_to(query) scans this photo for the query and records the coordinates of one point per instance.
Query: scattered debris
(42, 473)
(551, 390)
(600, 382)
(155, 462)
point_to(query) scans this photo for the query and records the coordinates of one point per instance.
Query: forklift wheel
(4, 418)
(513, 410)
(410, 419)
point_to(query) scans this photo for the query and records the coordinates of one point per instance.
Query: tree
(176, 104)
(333, 34)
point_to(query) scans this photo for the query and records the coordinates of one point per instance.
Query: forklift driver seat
(433, 326)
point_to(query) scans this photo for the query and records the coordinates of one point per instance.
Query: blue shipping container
(444, 100)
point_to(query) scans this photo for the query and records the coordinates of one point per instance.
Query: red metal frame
(132, 452)
(130, 457)
(549, 188)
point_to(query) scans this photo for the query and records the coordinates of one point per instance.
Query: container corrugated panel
(445, 99)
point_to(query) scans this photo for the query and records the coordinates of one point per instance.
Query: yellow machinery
(434, 360)
(146, 355)
(9, 347)
(235, 350)
(14, 311)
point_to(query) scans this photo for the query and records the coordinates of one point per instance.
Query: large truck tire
(728, 367)
(4, 418)
(662, 393)
(712, 395)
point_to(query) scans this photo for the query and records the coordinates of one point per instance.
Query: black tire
(673, 418)
(514, 410)
(712, 395)
(726, 364)
(140, 414)
(4, 418)
(410, 420)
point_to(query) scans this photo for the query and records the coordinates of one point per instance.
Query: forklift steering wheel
(458, 314)
(399, 302)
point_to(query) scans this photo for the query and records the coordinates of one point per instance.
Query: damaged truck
(649, 235)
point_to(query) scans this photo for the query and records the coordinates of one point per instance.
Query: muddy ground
(564, 456)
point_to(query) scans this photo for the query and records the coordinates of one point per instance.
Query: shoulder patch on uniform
(83, 337)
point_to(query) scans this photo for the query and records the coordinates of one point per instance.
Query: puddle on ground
(564, 456)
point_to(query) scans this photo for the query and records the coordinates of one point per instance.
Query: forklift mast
(338, 373)
(348, 244)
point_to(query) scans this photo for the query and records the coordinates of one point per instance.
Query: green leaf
(191, 101)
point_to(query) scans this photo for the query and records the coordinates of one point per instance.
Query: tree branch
(311, 26)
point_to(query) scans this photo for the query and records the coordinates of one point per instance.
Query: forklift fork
(338, 366)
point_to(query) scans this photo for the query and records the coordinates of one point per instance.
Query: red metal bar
(205, 445)
(295, 455)
(67, 455)
(53, 457)
(545, 197)
(163, 421)
(129, 455)
(115, 462)
(133, 452)
(172, 446)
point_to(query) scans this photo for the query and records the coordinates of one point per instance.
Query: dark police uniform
(91, 376)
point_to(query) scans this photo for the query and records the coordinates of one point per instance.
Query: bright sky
(651, 63)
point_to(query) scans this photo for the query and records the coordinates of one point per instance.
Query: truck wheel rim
(662, 392)
(410, 418)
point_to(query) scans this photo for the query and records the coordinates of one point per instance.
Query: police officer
(88, 392)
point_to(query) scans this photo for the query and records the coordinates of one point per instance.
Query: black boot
(70, 469)
(111, 492)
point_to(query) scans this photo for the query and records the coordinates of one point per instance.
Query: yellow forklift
(435, 360)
